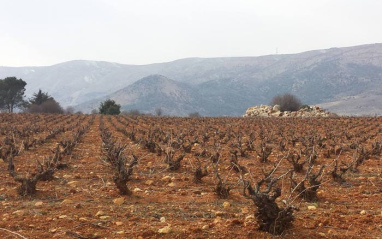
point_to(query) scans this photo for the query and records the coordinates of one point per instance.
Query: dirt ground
(83, 202)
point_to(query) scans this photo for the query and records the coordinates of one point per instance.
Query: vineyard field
(99, 176)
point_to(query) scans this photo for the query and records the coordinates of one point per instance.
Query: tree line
(12, 92)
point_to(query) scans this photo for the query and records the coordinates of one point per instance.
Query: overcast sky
(46, 32)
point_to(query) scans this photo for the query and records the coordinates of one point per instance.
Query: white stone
(165, 230)
(312, 207)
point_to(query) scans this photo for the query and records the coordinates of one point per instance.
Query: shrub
(42, 102)
(109, 107)
(131, 112)
(49, 106)
(287, 102)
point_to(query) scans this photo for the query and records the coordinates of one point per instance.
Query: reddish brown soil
(80, 201)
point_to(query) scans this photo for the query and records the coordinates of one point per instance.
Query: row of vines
(276, 164)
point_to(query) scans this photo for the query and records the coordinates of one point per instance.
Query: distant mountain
(152, 92)
(343, 80)
(74, 82)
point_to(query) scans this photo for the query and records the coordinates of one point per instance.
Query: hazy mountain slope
(75, 82)
(152, 92)
(220, 86)
(362, 104)
(226, 97)
(213, 98)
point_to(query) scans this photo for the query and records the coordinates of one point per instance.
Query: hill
(342, 80)
(152, 92)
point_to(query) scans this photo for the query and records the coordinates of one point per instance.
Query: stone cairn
(269, 111)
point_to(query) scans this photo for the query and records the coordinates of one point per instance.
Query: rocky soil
(82, 200)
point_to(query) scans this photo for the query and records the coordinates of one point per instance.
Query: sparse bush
(131, 112)
(287, 102)
(52, 106)
(49, 106)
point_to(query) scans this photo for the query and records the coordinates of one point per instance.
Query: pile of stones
(274, 111)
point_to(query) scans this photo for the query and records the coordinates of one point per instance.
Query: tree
(109, 107)
(42, 102)
(287, 102)
(11, 93)
(39, 98)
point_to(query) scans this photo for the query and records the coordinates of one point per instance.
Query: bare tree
(287, 102)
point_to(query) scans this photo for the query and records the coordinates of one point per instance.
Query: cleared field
(185, 177)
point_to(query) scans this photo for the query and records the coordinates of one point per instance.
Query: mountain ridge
(153, 92)
(225, 86)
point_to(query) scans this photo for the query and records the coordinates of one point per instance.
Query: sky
(47, 32)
